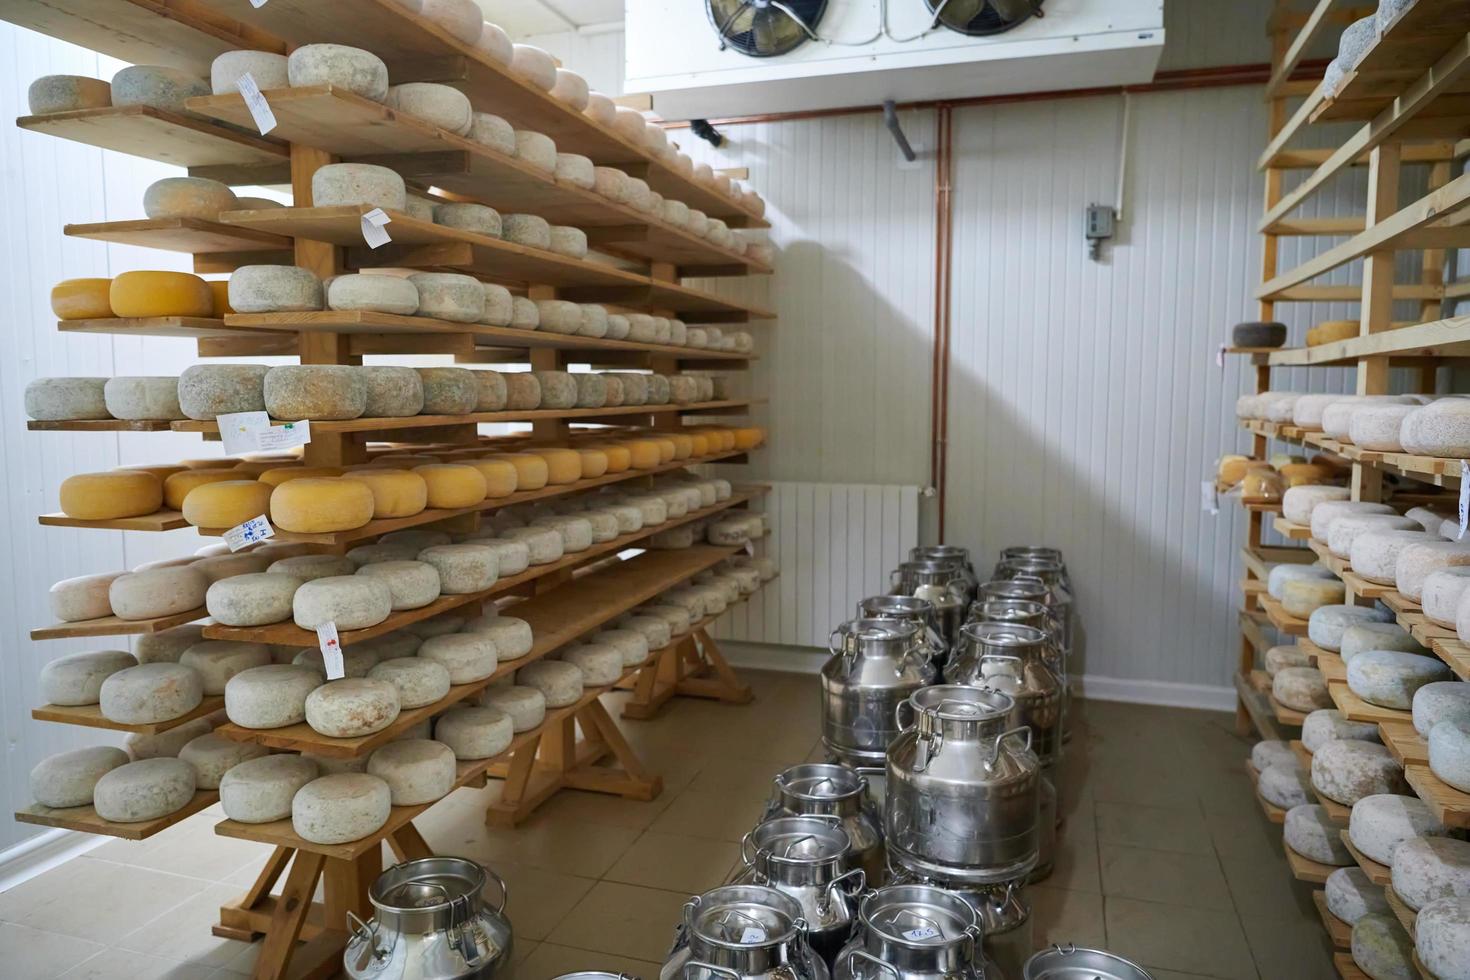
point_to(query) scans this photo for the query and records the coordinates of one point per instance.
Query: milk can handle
(863, 954)
(836, 885)
(831, 648)
(366, 932)
(719, 971)
(1021, 730)
(504, 890)
(898, 714)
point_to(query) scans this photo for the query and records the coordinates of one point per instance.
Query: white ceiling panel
(523, 18)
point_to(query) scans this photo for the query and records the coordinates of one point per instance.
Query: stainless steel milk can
(1014, 659)
(875, 665)
(820, 789)
(908, 607)
(941, 582)
(913, 932)
(743, 932)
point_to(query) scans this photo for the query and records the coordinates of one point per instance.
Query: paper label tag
(1464, 497)
(750, 548)
(253, 530)
(285, 436)
(331, 646)
(373, 231)
(752, 935)
(1209, 498)
(927, 932)
(260, 109)
(237, 431)
(1220, 356)
(257, 4)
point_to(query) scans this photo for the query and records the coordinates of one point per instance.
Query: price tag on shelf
(1464, 497)
(331, 646)
(373, 231)
(253, 530)
(285, 436)
(260, 109)
(752, 934)
(238, 431)
(925, 932)
(1209, 497)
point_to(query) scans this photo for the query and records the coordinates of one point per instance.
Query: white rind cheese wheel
(610, 183)
(1326, 625)
(1345, 530)
(145, 790)
(449, 296)
(420, 681)
(493, 131)
(576, 532)
(68, 778)
(272, 696)
(440, 625)
(1348, 770)
(468, 657)
(417, 770)
(525, 706)
(1363, 637)
(1381, 947)
(676, 617)
(1442, 928)
(213, 756)
(1285, 785)
(339, 184)
(166, 646)
(495, 43)
(218, 660)
(566, 240)
(631, 645)
(1297, 502)
(462, 568)
(340, 808)
(1449, 753)
(532, 231)
(1442, 428)
(535, 66)
(306, 568)
(413, 584)
(352, 707)
(373, 294)
(600, 109)
(268, 70)
(499, 305)
(1426, 869)
(511, 637)
(1375, 554)
(1350, 895)
(601, 664)
(260, 790)
(536, 150)
(354, 69)
(604, 524)
(1276, 658)
(468, 217)
(275, 289)
(594, 324)
(1440, 594)
(511, 557)
(559, 682)
(1376, 427)
(150, 693)
(143, 398)
(571, 88)
(577, 170)
(1441, 701)
(356, 662)
(1310, 832)
(157, 592)
(544, 545)
(1389, 678)
(77, 679)
(1419, 561)
(475, 733)
(253, 599)
(1380, 823)
(350, 601)
(439, 105)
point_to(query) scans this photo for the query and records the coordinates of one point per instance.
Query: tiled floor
(1165, 858)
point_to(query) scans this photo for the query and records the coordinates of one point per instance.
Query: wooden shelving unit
(637, 264)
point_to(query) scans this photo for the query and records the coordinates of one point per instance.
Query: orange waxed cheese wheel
(280, 474)
(749, 438)
(644, 452)
(177, 486)
(81, 299)
(109, 496)
(700, 444)
(683, 445)
(618, 458)
(563, 465)
(727, 439)
(501, 477)
(220, 290)
(594, 463)
(226, 503)
(396, 493)
(161, 470)
(665, 449)
(143, 294)
(532, 473)
(314, 506)
(452, 485)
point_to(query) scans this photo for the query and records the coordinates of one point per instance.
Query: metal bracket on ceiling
(890, 119)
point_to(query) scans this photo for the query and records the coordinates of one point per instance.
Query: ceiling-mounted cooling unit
(725, 58)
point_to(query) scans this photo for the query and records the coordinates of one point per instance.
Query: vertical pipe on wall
(943, 255)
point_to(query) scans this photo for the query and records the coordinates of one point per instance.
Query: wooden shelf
(156, 134)
(556, 617)
(1450, 806)
(162, 520)
(1420, 35)
(1355, 708)
(686, 302)
(1406, 744)
(96, 425)
(1436, 339)
(1258, 709)
(1451, 651)
(191, 235)
(1405, 915)
(1305, 869)
(1435, 470)
(1358, 585)
(1294, 532)
(85, 819)
(1280, 619)
(90, 716)
(1347, 968)
(289, 634)
(112, 626)
(153, 326)
(1379, 874)
(1340, 932)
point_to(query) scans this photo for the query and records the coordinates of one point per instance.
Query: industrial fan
(765, 28)
(978, 18)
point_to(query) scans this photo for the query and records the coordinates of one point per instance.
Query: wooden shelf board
(1347, 969)
(1435, 470)
(1406, 744)
(1287, 716)
(1418, 36)
(112, 626)
(1340, 932)
(1294, 532)
(156, 134)
(192, 235)
(1449, 337)
(153, 326)
(98, 425)
(1401, 911)
(1379, 874)
(1355, 708)
(1400, 604)
(1358, 585)
(163, 520)
(86, 820)
(289, 634)
(1299, 748)
(1452, 652)
(1305, 869)
(1281, 619)
(1450, 806)
(90, 716)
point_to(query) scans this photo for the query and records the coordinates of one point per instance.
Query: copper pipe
(943, 256)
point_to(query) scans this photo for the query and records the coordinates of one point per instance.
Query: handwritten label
(926, 932)
(237, 431)
(286, 436)
(331, 647)
(253, 530)
(1464, 497)
(260, 109)
(1209, 498)
(373, 231)
(753, 934)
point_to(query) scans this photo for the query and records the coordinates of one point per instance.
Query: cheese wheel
(1350, 895)
(1376, 427)
(1442, 929)
(559, 316)
(1279, 575)
(563, 465)
(676, 617)
(522, 391)
(188, 197)
(156, 592)
(67, 93)
(1337, 417)
(350, 601)
(575, 531)
(1427, 869)
(412, 584)
(1331, 331)
(534, 65)
(449, 296)
(216, 661)
(438, 105)
(1449, 753)
(284, 474)
(1380, 823)
(500, 476)
(268, 70)
(1324, 514)
(1348, 528)
(632, 646)
(594, 463)
(469, 217)
(566, 240)
(356, 661)
(532, 470)
(312, 506)
(1389, 678)
(543, 544)
(591, 390)
(159, 294)
(145, 790)
(1310, 832)
(396, 493)
(613, 386)
(1271, 752)
(342, 807)
(462, 568)
(524, 314)
(475, 733)
(495, 44)
(109, 496)
(534, 232)
(73, 600)
(352, 707)
(1297, 502)
(468, 657)
(1418, 562)
(644, 453)
(449, 391)
(611, 183)
(170, 742)
(655, 630)
(212, 756)
(658, 389)
(1363, 637)
(1441, 701)
(524, 706)
(77, 679)
(560, 683)
(419, 681)
(260, 790)
(417, 770)
(511, 557)
(391, 392)
(68, 779)
(354, 69)
(499, 304)
(437, 625)
(575, 169)
(1374, 554)
(150, 693)
(1327, 625)
(315, 391)
(143, 398)
(1442, 428)
(156, 86)
(178, 486)
(66, 399)
(209, 390)
(452, 485)
(1347, 770)
(166, 646)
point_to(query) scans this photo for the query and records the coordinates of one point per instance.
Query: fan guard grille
(762, 28)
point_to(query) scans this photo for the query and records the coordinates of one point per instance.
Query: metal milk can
(911, 608)
(942, 583)
(913, 932)
(948, 552)
(1054, 577)
(820, 789)
(1003, 915)
(743, 932)
(875, 665)
(1014, 659)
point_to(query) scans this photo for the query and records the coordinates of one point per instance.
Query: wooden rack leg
(289, 916)
(235, 920)
(694, 668)
(408, 844)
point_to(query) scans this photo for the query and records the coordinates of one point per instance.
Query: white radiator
(835, 543)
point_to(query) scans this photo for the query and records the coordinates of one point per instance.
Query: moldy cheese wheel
(226, 503)
(108, 496)
(396, 493)
(145, 294)
(452, 485)
(82, 299)
(320, 505)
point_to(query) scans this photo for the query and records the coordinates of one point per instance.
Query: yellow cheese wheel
(749, 438)
(532, 473)
(452, 485)
(81, 299)
(161, 470)
(280, 474)
(501, 477)
(1332, 330)
(107, 496)
(700, 444)
(644, 453)
(618, 457)
(252, 468)
(218, 463)
(562, 465)
(1301, 474)
(219, 289)
(396, 493)
(403, 461)
(177, 486)
(1231, 468)
(160, 294)
(727, 439)
(1262, 485)
(683, 445)
(594, 463)
(665, 448)
(226, 503)
(320, 505)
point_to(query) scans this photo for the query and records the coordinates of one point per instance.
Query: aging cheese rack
(643, 262)
(1411, 95)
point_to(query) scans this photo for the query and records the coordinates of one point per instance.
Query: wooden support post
(693, 667)
(1377, 302)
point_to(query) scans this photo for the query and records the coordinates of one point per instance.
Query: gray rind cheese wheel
(156, 86)
(1345, 530)
(1440, 701)
(658, 389)
(631, 645)
(594, 323)
(1325, 513)
(217, 568)
(1258, 334)
(168, 743)
(67, 93)
(269, 71)
(493, 131)
(462, 568)
(604, 524)
(150, 693)
(392, 392)
(440, 625)
(1449, 754)
(218, 660)
(601, 664)
(213, 756)
(591, 390)
(1417, 562)
(493, 393)
(253, 599)
(354, 69)
(1351, 895)
(350, 601)
(1279, 575)
(306, 568)
(1389, 678)
(499, 305)
(559, 682)
(525, 706)
(356, 662)
(526, 229)
(522, 391)
(275, 289)
(143, 398)
(272, 696)
(1381, 822)
(524, 314)
(449, 391)
(511, 637)
(614, 390)
(351, 184)
(544, 544)
(559, 316)
(260, 790)
(439, 105)
(420, 681)
(469, 217)
(1363, 637)
(474, 733)
(209, 390)
(1375, 554)
(449, 296)
(575, 169)
(412, 584)
(417, 770)
(77, 679)
(575, 531)
(1327, 624)
(1426, 869)
(1277, 658)
(352, 707)
(340, 808)
(145, 790)
(569, 241)
(66, 399)
(1329, 725)
(1440, 594)
(67, 779)
(1348, 770)
(315, 391)
(1285, 784)
(1297, 502)
(468, 657)
(1310, 832)
(1381, 947)
(1442, 936)
(373, 294)
(511, 557)
(1271, 752)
